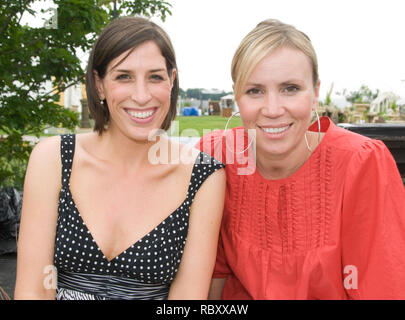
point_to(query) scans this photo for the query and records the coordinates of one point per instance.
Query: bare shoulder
(47, 149)
(84, 140)
(192, 156)
(188, 150)
(212, 174)
(183, 155)
(44, 163)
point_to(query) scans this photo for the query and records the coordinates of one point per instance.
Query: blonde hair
(266, 37)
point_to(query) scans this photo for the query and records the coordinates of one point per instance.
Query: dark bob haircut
(116, 38)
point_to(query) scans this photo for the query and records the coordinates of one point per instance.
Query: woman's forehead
(146, 56)
(283, 62)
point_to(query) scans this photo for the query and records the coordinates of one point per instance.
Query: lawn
(197, 126)
(194, 126)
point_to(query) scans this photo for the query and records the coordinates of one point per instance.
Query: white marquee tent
(228, 101)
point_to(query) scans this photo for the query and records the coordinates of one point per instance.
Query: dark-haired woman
(99, 211)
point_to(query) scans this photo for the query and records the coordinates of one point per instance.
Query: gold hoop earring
(226, 143)
(319, 132)
(319, 126)
(306, 141)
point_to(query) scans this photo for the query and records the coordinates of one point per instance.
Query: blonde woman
(320, 212)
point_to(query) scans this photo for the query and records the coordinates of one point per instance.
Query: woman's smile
(276, 131)
(142, 116)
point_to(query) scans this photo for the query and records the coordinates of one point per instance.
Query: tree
(31, 57)
(363, 95)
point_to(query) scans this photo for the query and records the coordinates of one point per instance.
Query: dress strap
(204, 166)
(67, 150)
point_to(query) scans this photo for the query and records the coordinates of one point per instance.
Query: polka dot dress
(143, 271)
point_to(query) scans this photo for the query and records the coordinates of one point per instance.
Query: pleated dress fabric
(335, 229)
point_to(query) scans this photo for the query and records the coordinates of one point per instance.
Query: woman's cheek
(302, 108)
(248, 112)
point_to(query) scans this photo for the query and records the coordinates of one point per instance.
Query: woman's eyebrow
(291, 81)
(253, 84)
(158, 70)
(129, 71)
(121, 70)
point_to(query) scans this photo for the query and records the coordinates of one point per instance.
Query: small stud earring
(102, 102)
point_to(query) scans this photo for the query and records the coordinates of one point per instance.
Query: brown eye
(254, 91)
(291, 89)
(157, 77)
(123, 77)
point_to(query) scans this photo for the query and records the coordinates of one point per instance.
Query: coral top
(335, 229)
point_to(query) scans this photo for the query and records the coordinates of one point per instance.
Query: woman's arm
(373, 226)
(35, 278)
(194, 275)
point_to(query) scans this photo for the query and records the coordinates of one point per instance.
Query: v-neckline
(163, 222)
(66, 184)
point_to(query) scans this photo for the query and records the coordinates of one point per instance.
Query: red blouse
(335, 229)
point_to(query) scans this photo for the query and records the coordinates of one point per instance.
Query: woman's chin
(273, 148)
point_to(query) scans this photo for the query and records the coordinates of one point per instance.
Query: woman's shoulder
(216, 142)
(218, 135)
(47, 153)
(360, 153)
(189, 165)
(45, 161)
(47, 149)
(191, 155)
(196, 161)
(346, 140)
(210, 140)
(50, 148)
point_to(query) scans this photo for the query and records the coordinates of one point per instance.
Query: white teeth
(275, 130)
(141, 115)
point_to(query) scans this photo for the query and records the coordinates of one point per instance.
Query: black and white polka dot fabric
(143, 271)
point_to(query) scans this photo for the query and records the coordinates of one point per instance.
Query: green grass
(203, 124)
(197, 124)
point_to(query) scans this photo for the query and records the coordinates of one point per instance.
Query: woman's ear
(172, 78)
(316, 97)
(99, 85)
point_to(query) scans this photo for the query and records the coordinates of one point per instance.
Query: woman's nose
(141, 93)
(273, 106)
